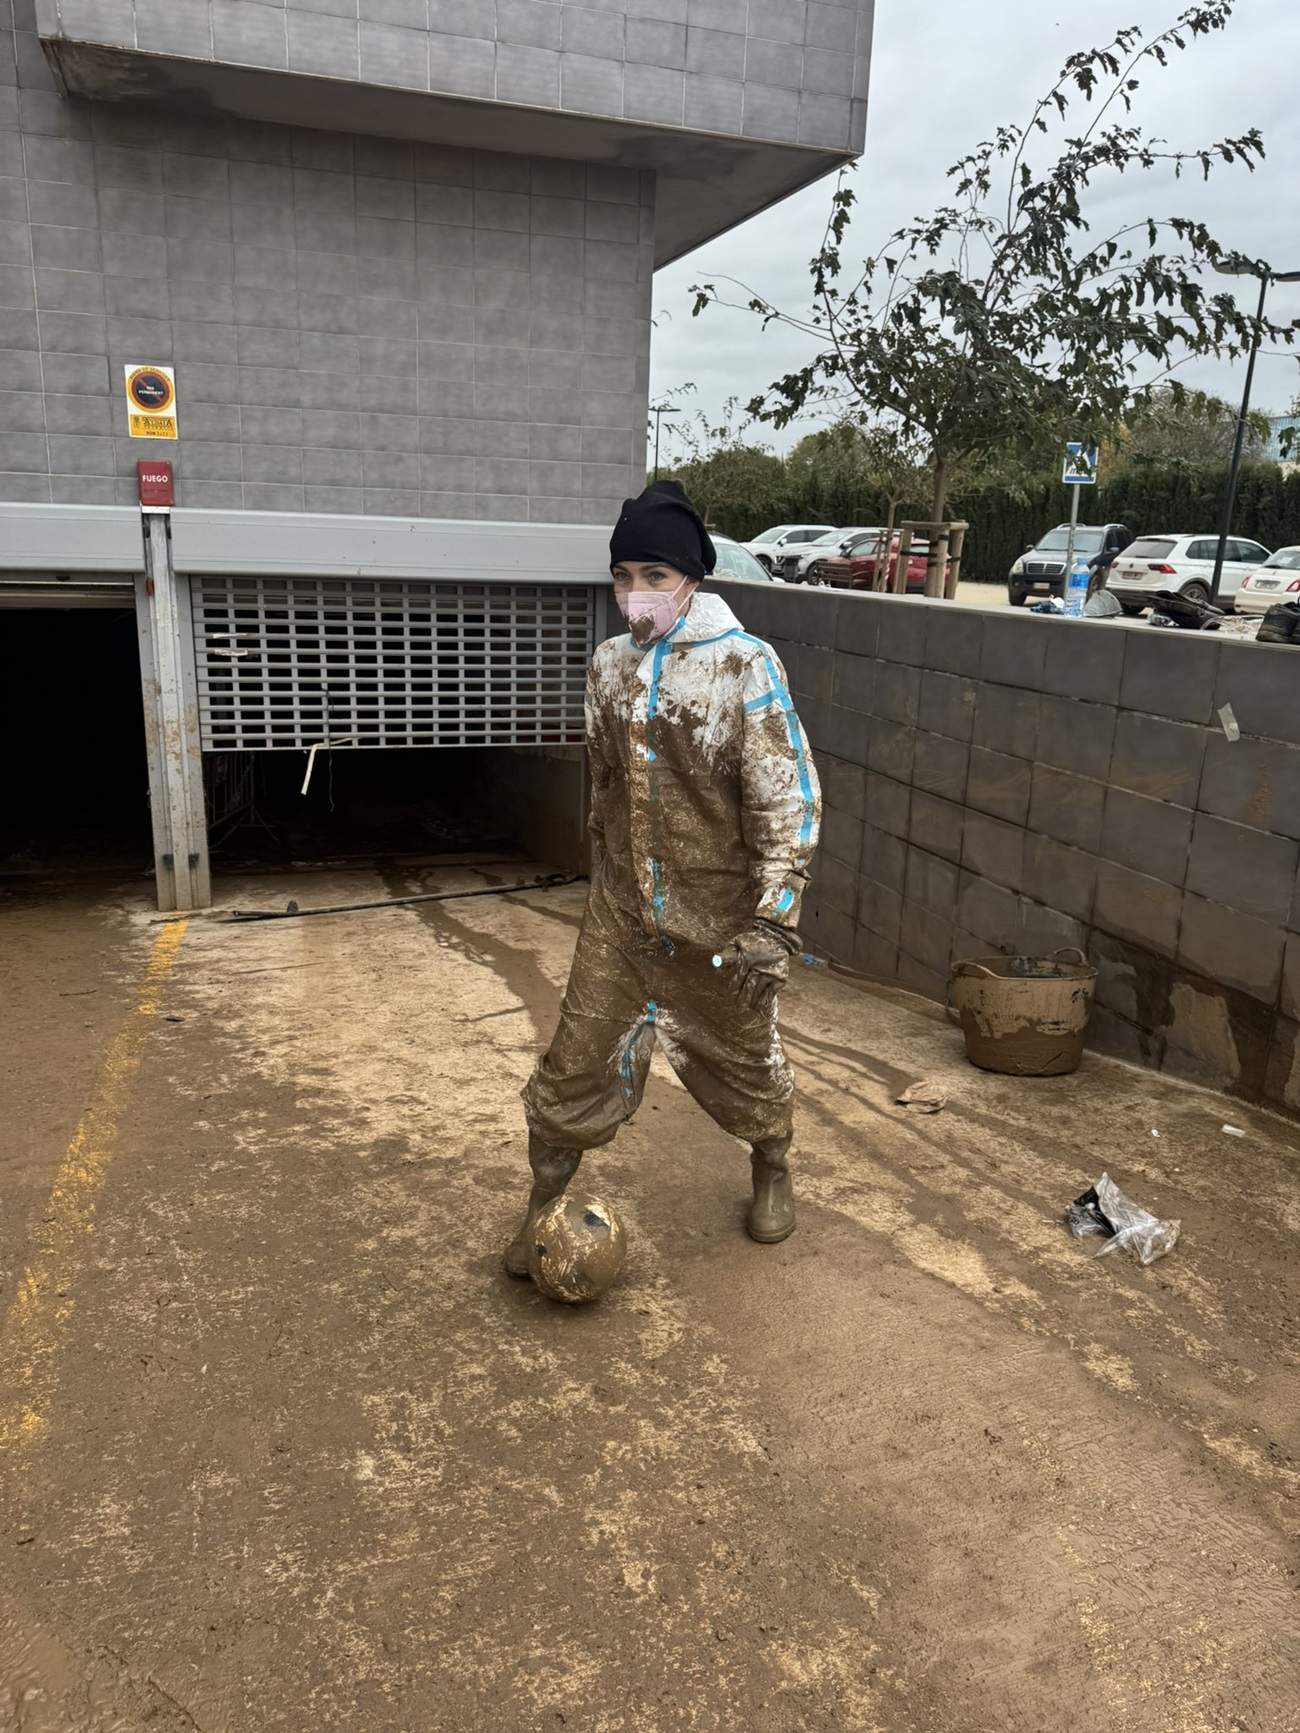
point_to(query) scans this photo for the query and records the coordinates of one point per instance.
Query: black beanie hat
(662, 524)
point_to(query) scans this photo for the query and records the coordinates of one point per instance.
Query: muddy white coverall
(705, 813)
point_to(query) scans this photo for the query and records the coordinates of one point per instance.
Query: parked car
(773, 544)
(832, 565)
(1277, 580)
(856, 569)
(1181, 563)
(794, 566)
(1040, 570)
(736, 561)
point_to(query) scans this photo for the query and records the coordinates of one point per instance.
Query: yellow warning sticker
(151, 401)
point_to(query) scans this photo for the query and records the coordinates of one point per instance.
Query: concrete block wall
(789, 71)
(1005, 783)
(357, 324)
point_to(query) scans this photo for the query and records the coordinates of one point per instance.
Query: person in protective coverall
(705, 814)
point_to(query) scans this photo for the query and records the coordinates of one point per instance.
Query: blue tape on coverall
(779, 695)
(657, 900)
(646, 1021)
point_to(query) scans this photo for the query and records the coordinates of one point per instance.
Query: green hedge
(1186, 500)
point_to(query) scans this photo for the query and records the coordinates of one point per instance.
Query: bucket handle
(1072, 952)
(965, 963)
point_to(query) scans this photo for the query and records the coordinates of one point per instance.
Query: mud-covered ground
(283, 1450)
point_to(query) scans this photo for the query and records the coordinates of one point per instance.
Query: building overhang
(706, 183)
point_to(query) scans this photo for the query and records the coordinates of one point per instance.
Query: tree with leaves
(999, 319)
(718, 462)
(849, 457)
(1171, 426)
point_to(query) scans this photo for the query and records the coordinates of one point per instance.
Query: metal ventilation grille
(285, 662)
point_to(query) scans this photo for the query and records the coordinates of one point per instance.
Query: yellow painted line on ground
(42, 1307)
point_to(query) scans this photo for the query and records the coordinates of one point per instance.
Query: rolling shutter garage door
(293, 661)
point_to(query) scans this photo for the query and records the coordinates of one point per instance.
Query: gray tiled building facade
(399, 252)
(356, 325)
(786, 70)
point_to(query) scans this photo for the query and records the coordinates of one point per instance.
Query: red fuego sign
(156, 486)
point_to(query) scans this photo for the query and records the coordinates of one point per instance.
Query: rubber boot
(771, 1215)
(552, 1170)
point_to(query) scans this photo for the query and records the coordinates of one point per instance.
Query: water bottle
(1076, 587)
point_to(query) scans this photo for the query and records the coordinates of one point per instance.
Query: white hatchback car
(770, 548)
(1277, 580)
(1181, 563)
(736, 561)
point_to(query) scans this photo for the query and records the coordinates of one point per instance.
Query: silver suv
(769, 548)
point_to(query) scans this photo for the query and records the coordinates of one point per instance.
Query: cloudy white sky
(944, 74)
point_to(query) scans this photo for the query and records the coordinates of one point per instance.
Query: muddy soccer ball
(577, 1249)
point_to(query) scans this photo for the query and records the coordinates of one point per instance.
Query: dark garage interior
(77, 783)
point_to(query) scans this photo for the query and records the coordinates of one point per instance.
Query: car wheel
(1016, 597)
(1195, 592)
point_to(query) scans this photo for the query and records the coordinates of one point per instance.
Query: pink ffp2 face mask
(650, 613)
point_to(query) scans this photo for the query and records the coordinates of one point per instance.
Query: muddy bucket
(1024, 1015)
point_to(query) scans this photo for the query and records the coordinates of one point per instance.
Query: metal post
(1225, 526)
(163, 856)
(171, 727)
(1069, 546)
(660, 413)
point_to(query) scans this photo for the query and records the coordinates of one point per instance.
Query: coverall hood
(707, 616)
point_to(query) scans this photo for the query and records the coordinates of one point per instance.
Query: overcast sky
(944, 74)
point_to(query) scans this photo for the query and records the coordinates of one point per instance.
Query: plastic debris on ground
(1170, 608)
(1228, 722)
(923, 1097)
(1234, 1131)
(1103, 1209)
(1103, 606)
(1242, 626)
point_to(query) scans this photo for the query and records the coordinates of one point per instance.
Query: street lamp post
(1266, 276)
(660, 413)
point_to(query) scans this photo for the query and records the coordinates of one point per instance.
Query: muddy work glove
(759, 959)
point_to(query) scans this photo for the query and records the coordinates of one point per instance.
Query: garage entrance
(343, 719)
(292, 688)
(409, 806)
(77, 773)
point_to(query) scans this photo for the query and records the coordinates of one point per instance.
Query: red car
(856, 569)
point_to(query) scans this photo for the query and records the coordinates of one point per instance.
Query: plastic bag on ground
(924, 1096)
(1104, 1209)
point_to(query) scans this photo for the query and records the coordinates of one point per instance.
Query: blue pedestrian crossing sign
(1080, 468)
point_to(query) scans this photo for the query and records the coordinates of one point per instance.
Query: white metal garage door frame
(520, 605)
(69, 556)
